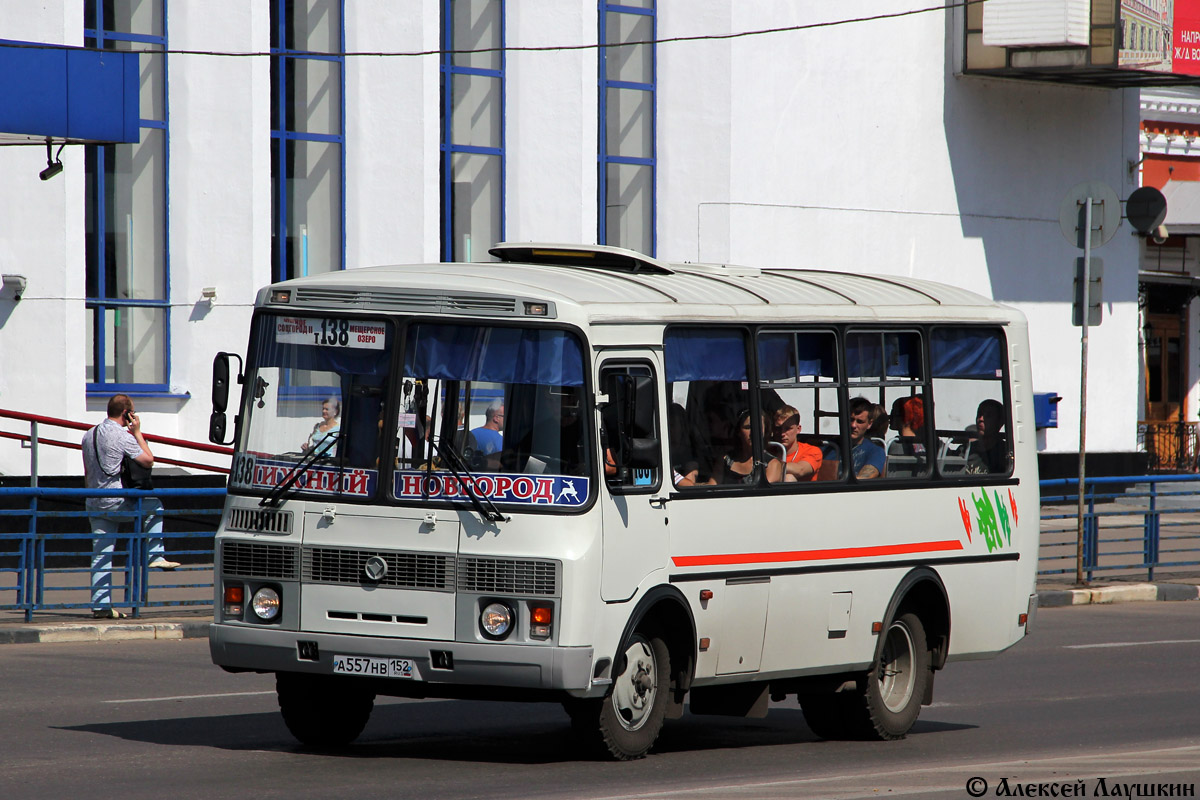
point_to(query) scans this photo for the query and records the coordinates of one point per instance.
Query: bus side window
(886, 367)
(708, 383)
(969, 383)
(798, 391)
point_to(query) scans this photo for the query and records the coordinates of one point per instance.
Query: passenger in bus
(801, 462)
(906, 455)
(738, 465)
(488, 436)
(326, 431)
(685, 467)
(866, 456)
(879, 423)
(989, 448)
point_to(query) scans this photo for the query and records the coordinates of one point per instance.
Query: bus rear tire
(627, 721)
(888, 698)
(322, 711)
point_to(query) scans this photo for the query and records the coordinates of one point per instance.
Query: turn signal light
(1022, 619)
(540, 618)
(235, 596)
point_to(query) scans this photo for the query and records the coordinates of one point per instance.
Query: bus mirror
(632, 398)
(216, 427)
(641, 403)
(220, 386)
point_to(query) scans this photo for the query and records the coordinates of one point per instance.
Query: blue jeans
(105, 529)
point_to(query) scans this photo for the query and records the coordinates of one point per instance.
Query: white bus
(539, 479)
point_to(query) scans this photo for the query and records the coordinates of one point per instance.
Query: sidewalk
(184, 623)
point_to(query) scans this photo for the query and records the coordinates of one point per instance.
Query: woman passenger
(737, 466)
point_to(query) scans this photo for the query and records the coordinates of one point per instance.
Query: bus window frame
(934, 477)
(619, 361)
(587, 411)
(258, 319)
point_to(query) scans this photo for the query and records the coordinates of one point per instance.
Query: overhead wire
(700, 37)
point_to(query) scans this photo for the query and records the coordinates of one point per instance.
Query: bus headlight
(265, 603)
(496, 621)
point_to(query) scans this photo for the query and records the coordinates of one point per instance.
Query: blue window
(308, 187)
(472, 128)
(627, 124)
(127, 249)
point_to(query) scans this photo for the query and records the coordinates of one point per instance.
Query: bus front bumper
(464, 664)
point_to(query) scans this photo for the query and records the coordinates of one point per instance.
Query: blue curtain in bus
(783, 356)
(966, 353)
(699, 354)
(498, 355)
(891, 355)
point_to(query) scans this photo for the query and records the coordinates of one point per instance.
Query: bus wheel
(896, 685)
(630, 717)
(322, 711)
(888, 697)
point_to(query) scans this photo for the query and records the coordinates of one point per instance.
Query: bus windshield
(492, 402)
(316, 396)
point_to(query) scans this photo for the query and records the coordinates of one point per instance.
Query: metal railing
(48, 562)
(1171, 446)
(35, 439)
(1133, 525)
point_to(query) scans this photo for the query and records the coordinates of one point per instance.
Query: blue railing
(1132, 525)
(51, 557)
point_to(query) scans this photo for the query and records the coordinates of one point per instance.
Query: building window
(308, 188)
(127, 253)
(627, 125)
(472, 128)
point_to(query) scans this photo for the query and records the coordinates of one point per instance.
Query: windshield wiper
(455, 463)
(275, 496)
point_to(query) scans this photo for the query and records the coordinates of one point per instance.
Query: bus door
(634, 516)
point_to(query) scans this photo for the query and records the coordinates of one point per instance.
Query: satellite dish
(1146, 209)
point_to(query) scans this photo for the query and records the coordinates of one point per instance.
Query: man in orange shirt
(801, 461)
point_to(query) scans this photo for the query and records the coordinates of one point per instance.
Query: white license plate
(376, 667)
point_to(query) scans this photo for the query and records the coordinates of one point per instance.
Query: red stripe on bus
(816, 555)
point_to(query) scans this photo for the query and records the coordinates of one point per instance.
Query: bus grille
(257, 560)
(507, 576)
(404, 570)
(259, 520)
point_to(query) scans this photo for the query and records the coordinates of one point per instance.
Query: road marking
(1129, 644)
(186, 697)
(948, 777)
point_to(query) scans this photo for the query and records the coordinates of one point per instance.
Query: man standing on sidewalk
(104, 448)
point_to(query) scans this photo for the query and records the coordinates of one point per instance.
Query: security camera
(14, 285)
(52, 169)
(1159, 235)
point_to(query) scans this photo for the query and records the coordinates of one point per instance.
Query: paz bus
(569, 475)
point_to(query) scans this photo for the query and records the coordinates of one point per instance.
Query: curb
(102, 632)
(1131, 593)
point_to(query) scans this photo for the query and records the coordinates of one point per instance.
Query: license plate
(376, 667)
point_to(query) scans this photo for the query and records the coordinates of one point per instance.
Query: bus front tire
(322, 711)
(627, 721)
(887, 700)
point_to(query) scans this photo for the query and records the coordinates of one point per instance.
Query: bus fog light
(496, 621)
(265, 603)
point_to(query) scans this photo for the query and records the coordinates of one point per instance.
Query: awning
(69, 94)
(1183, 207)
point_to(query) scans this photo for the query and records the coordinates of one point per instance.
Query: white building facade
(286, 137)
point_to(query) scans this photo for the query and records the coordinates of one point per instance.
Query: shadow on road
(464, 731)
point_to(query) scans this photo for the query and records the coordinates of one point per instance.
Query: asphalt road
(1097, 692)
